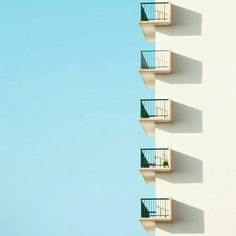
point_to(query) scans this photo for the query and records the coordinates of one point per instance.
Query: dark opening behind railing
(155, 11)
(155, 207)
(154, 157)
(151, 108)
(154, 59)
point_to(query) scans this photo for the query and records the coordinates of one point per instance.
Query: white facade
(202, 87)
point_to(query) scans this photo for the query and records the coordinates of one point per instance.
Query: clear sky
(69, 109)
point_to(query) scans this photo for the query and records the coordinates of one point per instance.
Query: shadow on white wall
(184, 22)
(185, 70)
(186, 169)
(186, 119)
(186, 219)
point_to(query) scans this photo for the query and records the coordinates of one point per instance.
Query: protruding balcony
(154, 211)
(153, 15)
(153, 112)
(153, 161)
(154, 62)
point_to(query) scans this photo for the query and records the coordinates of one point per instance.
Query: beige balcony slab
(149, 124)
(150, 174)
(150, 75)
(149, 27)
(150, 224)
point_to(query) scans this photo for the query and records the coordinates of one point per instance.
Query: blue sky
(69, 107)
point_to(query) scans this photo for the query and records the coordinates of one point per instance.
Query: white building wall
(203, 134)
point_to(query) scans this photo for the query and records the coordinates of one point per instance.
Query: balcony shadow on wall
(185, 70)
(185, 119)
(186, 220)
(184, 22)
(186, 169)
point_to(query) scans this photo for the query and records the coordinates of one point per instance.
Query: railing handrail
(146, 3)
(159, 50)
(155, 198)
(154, 149)
(154, 99)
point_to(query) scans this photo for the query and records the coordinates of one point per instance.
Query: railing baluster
(154, 59)
(154, 11)
(154, 108)
(155, 207)
(154, 157)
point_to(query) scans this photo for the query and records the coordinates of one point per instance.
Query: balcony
(154, 62)
(154, 112)
(153, 161)
(154, 15)
(155, 210)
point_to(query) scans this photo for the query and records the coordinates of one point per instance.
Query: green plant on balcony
(165, 163)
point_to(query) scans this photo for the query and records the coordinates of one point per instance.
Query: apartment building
(192, 117)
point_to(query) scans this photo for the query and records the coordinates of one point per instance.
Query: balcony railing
(155, 208)
(159, 11)
(154, 108)
(155, 59)
(155, 158)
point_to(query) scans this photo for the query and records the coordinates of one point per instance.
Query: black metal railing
(154, 59)
(155, 207)
(154, 108)
(155, 11)
(154, 158)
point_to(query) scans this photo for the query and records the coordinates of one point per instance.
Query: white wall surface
(203, 134)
